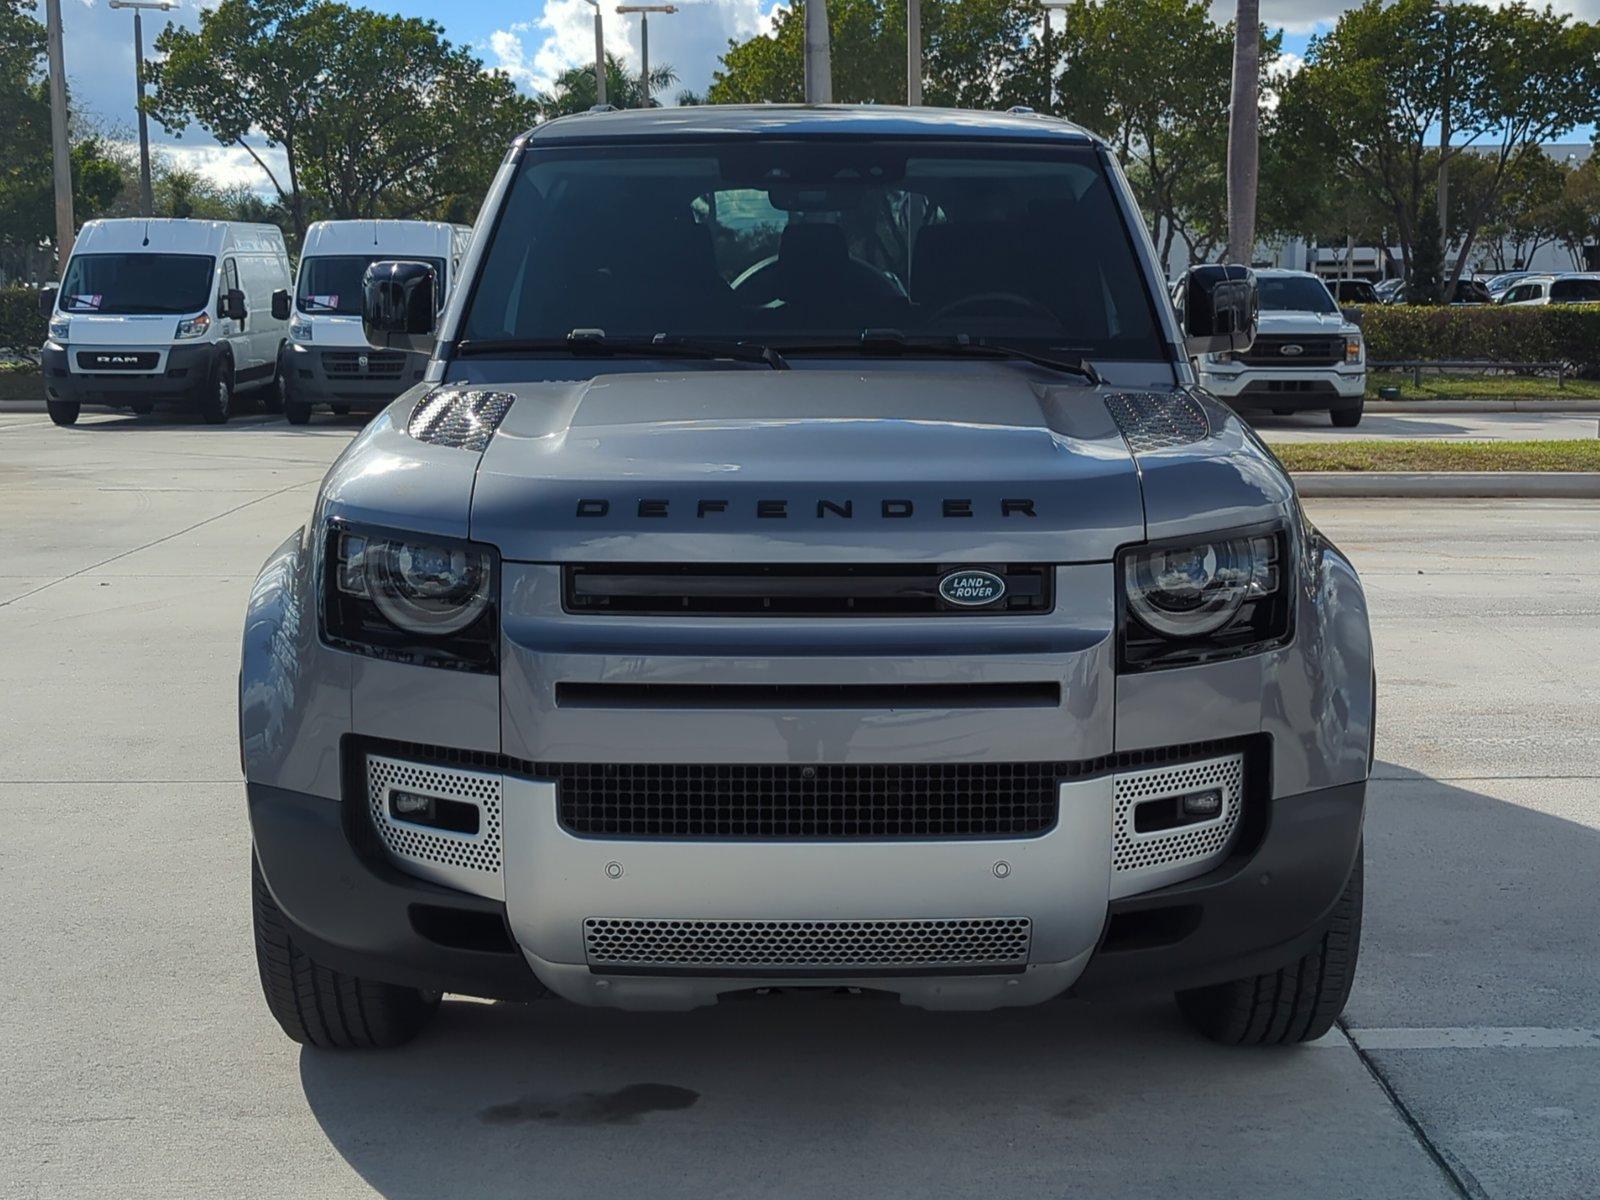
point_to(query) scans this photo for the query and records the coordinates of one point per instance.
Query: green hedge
(1567, 333)
(21, 322)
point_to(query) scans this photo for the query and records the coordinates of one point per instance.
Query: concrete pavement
(142, 1063)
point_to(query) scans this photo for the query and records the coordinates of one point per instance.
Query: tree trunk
(1244, 132)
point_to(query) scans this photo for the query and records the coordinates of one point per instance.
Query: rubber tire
(142, 409)
(214, 408)
(318, 1006)
(340, 410)
(64, 412)
(1298, 1003)
(1347, 418)
(297, 412)
(271, 396)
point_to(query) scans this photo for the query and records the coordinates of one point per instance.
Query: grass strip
(1443, 385)
(1578, 454)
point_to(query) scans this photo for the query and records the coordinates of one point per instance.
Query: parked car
(1391, 291)
(327, 360)
(808, 561)
(1571, 288)
(1471, 291)
(167, 312)
(1499, 284)
(1307, 354)
(1353, 291)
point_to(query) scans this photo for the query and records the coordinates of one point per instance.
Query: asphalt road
(140, 1061)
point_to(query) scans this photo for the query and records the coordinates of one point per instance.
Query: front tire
(297, 412)
(1348, 418)
(216, 403)
(318, 1006)
(272, 394)
(1298, 1003)
(64, 412)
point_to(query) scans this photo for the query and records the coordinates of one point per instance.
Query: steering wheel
(986, 302)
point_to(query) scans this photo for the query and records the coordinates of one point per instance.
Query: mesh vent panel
(1158, 420)
(763, 945)
(477, 852)
(463, 419)
(1186, 845)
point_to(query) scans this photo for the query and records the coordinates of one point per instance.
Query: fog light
(1203, 804)
(411, 806)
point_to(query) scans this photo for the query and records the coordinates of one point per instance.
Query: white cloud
(225, 166)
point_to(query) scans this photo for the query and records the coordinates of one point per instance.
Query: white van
(170, 312)
(328, 361)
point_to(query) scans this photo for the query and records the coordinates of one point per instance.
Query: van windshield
(331, 283)
(812, 242)
(137, 283)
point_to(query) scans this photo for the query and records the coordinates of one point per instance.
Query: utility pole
(60, 150)
(913, 52)
(1048, 103)
(599, 56)
(1244, 129)
(146, 198)
(644, 11)
(1443, 196)
(819, 63)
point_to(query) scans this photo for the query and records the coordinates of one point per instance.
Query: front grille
(1317, 350)
(951, 800)
(761, 947)
(364, 364)
(118, 360)
(779, 590)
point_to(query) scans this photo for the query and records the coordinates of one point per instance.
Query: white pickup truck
(1306, 355)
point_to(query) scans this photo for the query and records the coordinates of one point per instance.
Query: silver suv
(808, 561)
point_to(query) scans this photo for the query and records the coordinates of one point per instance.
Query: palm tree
(574, 89)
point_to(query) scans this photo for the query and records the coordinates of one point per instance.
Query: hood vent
(465, 420)
(1152, 421)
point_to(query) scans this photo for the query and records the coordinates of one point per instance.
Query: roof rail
(1021, 110)
(599, 108)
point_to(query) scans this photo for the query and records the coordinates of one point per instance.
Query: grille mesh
(1185, 845)
(793, 801)
(1158, 420)
(476, 853)
(766, 945)
(381, 364)
(465, 420)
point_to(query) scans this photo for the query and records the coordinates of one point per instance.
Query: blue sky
(532, 42)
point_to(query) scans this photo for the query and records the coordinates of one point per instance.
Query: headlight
(1352, 349)
(60, 327)
(414, 599)
(299, 330)
(193, 327)
(1203, 600)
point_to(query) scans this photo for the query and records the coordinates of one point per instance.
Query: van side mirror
(399, 306)
(232, 306)
(280, 305)
(47, 300)
(1218, 306)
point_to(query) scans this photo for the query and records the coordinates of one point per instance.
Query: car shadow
(554, 1099)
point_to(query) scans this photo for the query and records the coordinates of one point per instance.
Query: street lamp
(146, 200)
(1044, 49)
(599, 56)
(644, 11)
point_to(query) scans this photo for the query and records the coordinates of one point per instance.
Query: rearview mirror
(1218, 306)
(280, 305)
(232, 306)
(398, 306)
(47, 300)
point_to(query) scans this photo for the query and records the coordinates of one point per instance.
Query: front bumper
(1293, 389)
(182, 379)
(310, 380)
(1257, 910)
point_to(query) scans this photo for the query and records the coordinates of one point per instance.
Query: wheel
(272, 394)
(1298, 1003)
(340, 410)
(216, 402)
(298, 412)
(1347, 418)
(318, 1006)
(143, 409)
(63, 412)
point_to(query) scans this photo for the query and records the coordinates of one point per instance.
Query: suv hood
(980, 465)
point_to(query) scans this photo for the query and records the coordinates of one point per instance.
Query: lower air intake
(796, 947)
(1144, 857)
(469, 861)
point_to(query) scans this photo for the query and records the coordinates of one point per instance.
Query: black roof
(800, 120)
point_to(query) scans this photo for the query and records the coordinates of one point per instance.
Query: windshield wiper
(955, 345)
(594, 342)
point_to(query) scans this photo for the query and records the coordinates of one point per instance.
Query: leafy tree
(1425, 265)
(574, 90)
(375, 115)
(1575, 216)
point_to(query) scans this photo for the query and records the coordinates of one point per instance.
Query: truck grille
(364, 364)
(1317, 350)
(950, 800)
(760, 947)
(694, 589)
(118, 360)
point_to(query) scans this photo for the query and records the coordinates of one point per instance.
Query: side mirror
(398, 306)
(280, 305)
(232, 306)
(1219, 307)
(47, 300)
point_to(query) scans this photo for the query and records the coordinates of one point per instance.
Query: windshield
(137, 283)
(1574, 291)
(796, 242)
(331, 283)
(1294, 293)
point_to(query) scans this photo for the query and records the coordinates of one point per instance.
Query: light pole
(1244, 117)
(913, 52)
(644, 11)
(146, 199)
(599, 56)
(818, 55)
(1044, 49)
(60, 150)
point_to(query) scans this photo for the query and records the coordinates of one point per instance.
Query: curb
(1458, 485)
(1581, 408)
